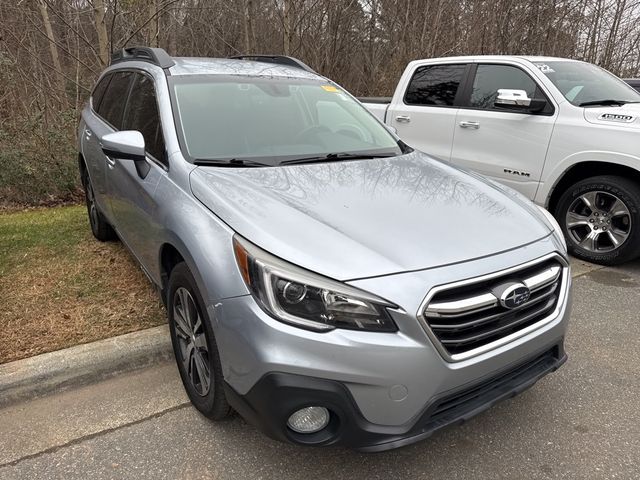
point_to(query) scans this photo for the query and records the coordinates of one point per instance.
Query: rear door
(131, 184)
(105, 116)
(425, 116)
(507, 145)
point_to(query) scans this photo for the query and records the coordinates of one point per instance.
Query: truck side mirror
(518, 99)
(512, 98)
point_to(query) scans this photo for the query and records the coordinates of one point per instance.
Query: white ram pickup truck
(564, 133)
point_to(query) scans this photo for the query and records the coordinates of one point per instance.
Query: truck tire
(600, 218)
(194, 345)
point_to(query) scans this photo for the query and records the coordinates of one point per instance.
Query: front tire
(600, 218)
(194, 345)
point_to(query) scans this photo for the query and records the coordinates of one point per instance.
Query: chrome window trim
(458, 357)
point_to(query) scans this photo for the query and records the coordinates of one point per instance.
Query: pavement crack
(91, 436)
(599, 267)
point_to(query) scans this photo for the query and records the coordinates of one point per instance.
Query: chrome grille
(466, 317)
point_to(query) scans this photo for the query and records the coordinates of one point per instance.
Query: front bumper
(276, 396)
(382, 385)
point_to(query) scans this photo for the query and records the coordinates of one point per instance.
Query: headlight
(555, 225)
(299, 297)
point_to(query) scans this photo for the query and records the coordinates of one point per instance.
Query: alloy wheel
(598, 221)
(192, 341)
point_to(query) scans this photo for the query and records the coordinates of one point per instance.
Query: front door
(509, 146)
(132, 185)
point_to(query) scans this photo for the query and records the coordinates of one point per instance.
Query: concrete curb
(83, 364)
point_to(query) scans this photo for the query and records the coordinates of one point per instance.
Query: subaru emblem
(514, 295)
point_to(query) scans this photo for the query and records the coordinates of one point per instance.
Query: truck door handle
(474, 125)
(403, 119)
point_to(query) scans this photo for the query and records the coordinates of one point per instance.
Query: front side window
(272, 119)
(491, 78)
(142, 115)
(435, 85)
(112, 105)
(584, 83)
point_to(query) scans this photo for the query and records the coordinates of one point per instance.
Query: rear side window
(434, 85)
(98, 92)
(490, 78)
(142, 115)
(112, 105)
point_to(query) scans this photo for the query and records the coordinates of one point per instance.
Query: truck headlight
(305, 299)
(553, 223)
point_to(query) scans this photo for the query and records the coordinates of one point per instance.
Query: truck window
(434, 85)
(490, 78)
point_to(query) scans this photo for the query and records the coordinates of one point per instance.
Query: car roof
(227, 66)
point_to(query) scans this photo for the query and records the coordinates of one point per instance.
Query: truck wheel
(600, 218)
(99, 226)
(194, 345)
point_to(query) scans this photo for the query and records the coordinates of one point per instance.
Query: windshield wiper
(231, 162)
(605, 103)
(336, 157)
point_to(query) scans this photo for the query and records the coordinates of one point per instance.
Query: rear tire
(194, 345)
(600, 218)
(99, 225)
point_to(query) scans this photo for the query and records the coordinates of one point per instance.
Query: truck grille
(469, 316)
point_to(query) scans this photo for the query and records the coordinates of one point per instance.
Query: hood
(627, 116)
(357, 219)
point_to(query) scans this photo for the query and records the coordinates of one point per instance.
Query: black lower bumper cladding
(276, 396)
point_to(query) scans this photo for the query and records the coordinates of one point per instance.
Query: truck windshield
(584, 84)
(243, 120)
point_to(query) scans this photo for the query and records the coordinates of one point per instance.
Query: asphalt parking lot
(581, 422)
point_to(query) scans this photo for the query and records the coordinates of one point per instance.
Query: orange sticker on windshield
(330, 88)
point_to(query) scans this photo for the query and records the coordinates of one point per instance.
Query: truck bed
(376, 105)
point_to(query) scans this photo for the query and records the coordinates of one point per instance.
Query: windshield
(582, 83)
(271, 120)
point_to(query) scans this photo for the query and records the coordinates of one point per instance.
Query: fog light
(309, 420)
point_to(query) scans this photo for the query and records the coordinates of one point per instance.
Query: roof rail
(277, 59)
(157, 56)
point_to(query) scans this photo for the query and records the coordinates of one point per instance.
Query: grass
(60, 287)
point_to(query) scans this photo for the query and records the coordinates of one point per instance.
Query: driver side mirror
(124, 145)
(518, 99)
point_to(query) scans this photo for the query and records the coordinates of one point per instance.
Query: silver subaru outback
(323, 279)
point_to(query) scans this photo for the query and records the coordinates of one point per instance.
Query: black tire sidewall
(213, 405)
(629, 193)
(87, 185)
(101, 230)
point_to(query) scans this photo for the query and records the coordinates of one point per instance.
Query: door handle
(474, 125)
(403, 119)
